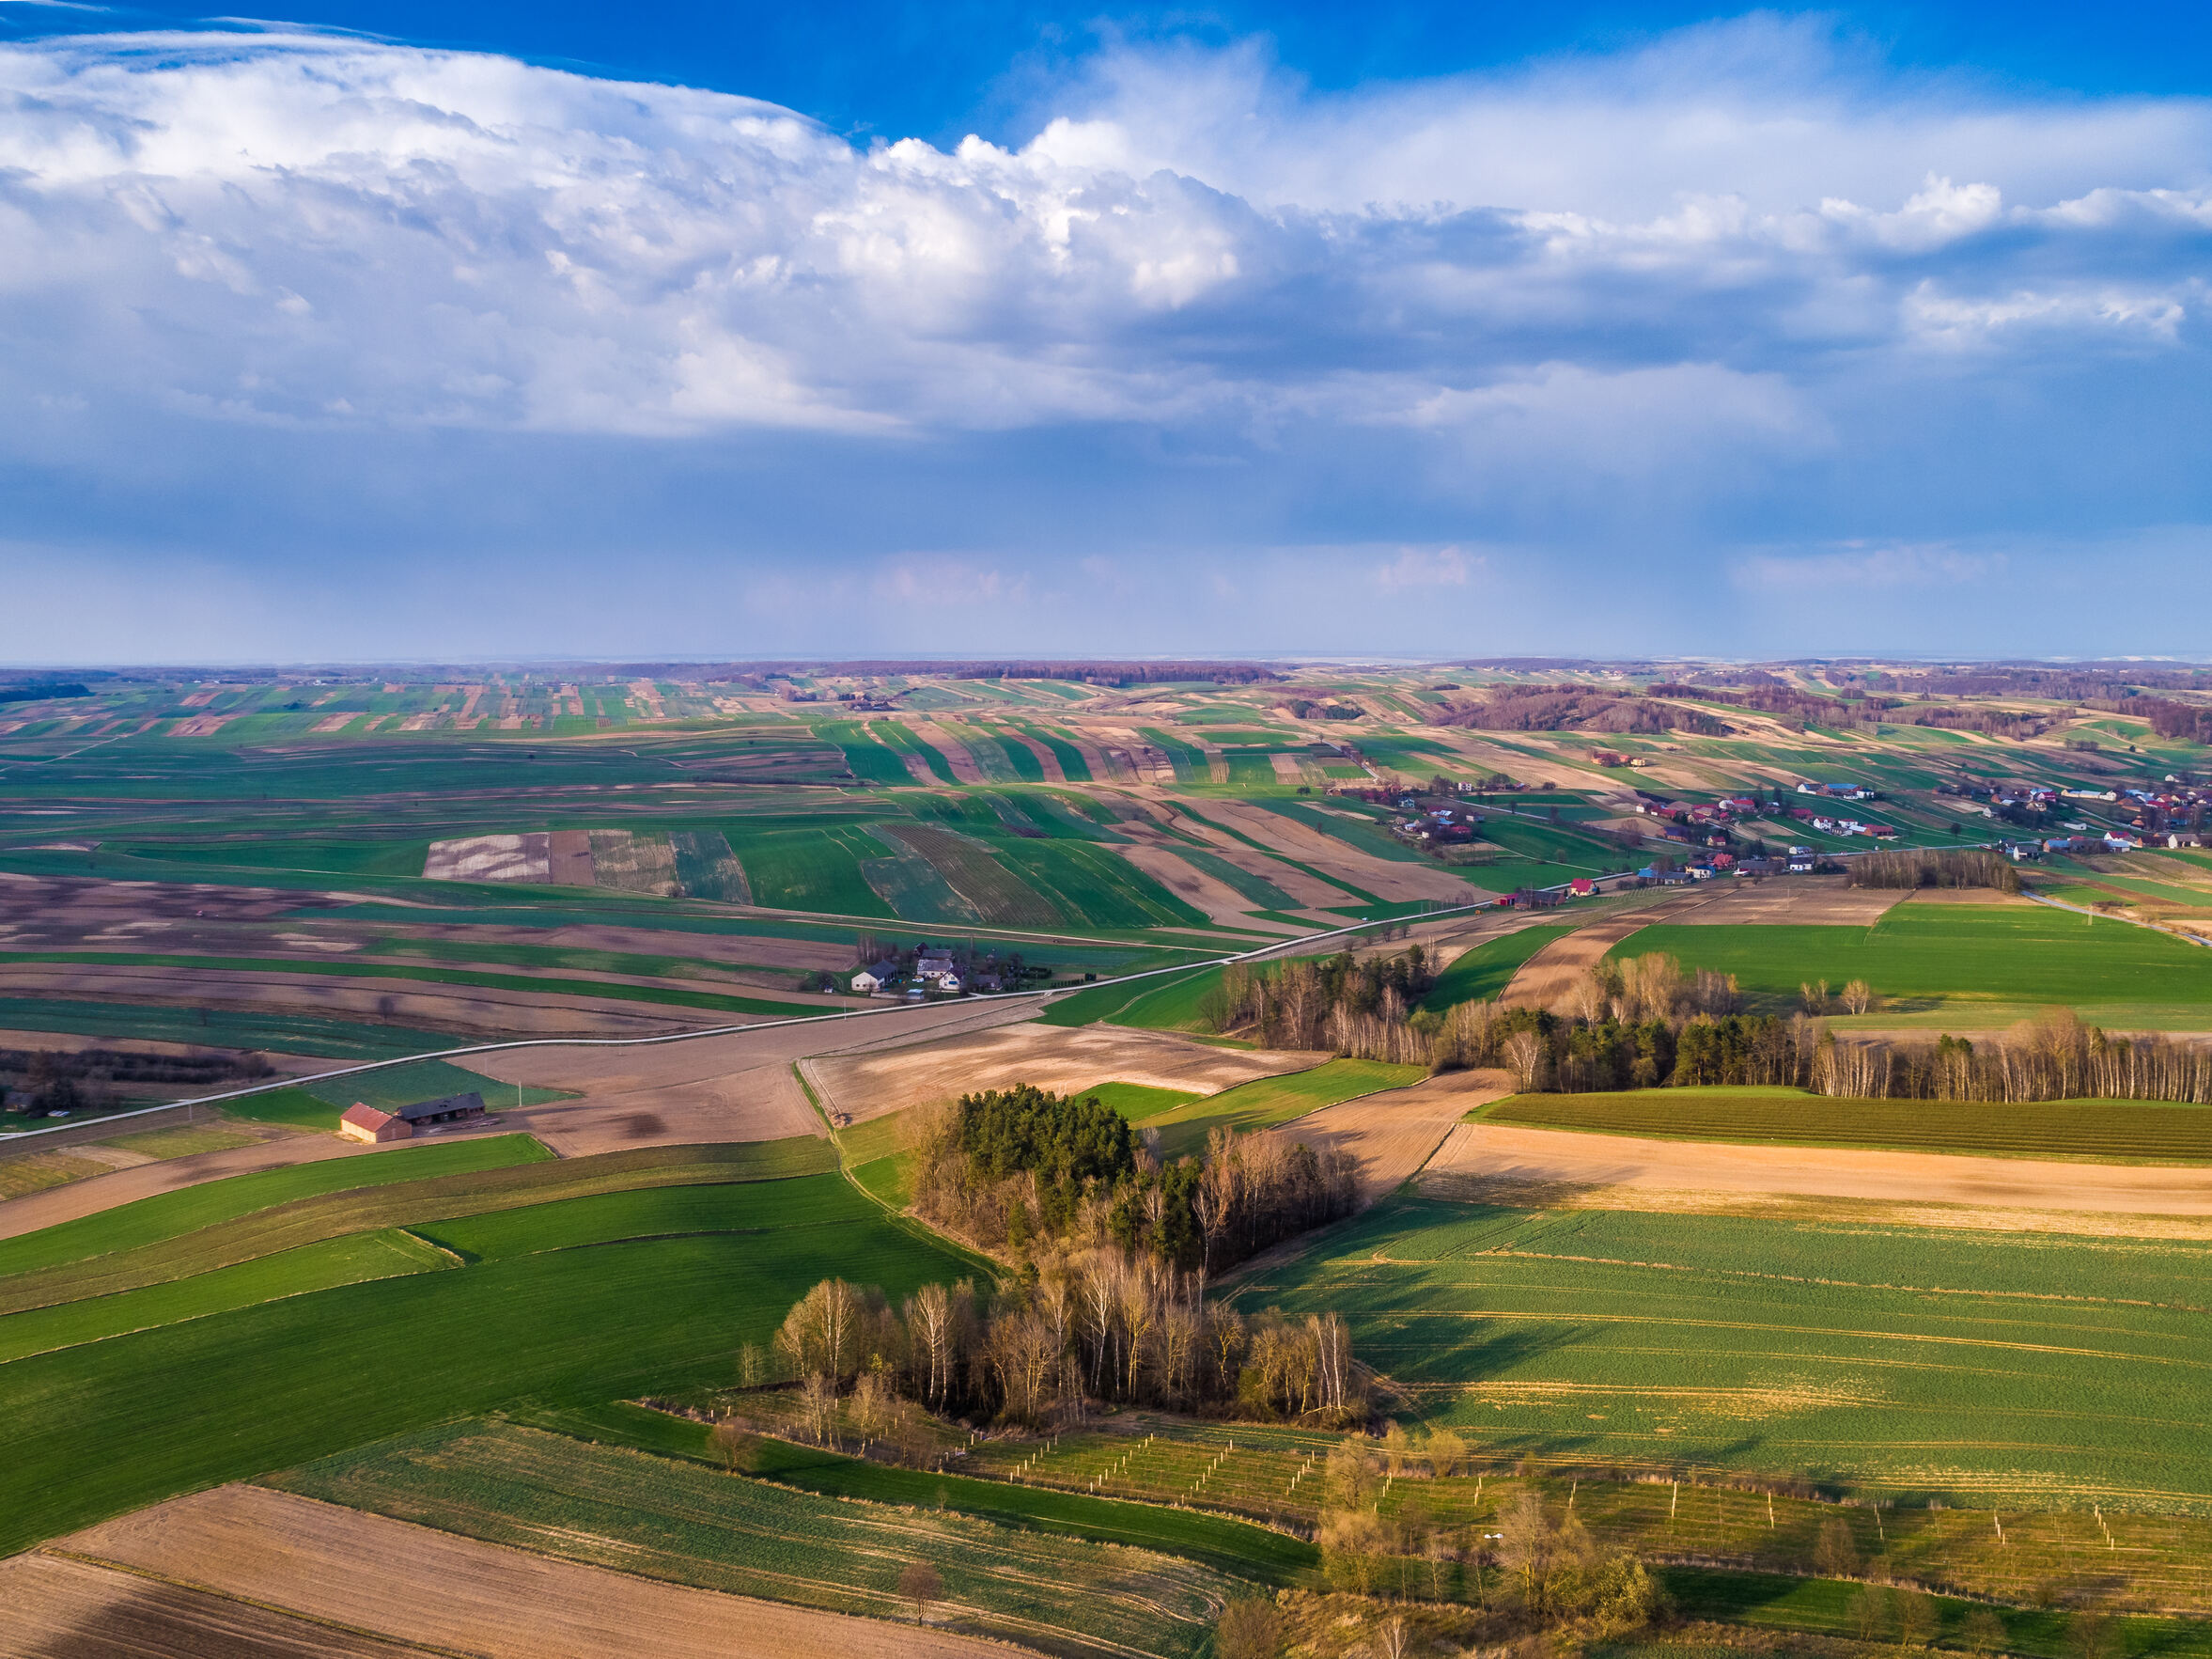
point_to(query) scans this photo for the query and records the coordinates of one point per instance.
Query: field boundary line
(2100, 916)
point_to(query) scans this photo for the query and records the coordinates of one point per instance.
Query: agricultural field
(675, 1520)
(2101, 1131)
(1961, 963)
(208, 884)
(575, 1298)
(1899, 1362)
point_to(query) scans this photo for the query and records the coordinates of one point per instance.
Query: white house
(865, 983)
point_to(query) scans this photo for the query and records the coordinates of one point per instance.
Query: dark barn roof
(444, 1106)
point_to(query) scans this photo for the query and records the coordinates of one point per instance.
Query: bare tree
(1447, 1450)
(1394, 1639)
(1858, 997)
(1250, 1628)
(817, 1403)
(1524, 1058)
(1917, 1619)
(1983, 1631)
(1834, 1553)
(919, 1584)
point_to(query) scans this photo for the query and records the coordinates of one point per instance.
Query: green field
(290, 1273)
(2040, 1370)
(1954, 953)
(169, 1215)
(558, 1324)
(1167, 1002)
(2108, 1131)
(1478, 975)
(1267, 1102)
(394, 1202)
(1135, 1100)
(673, 1519)
(813, 869)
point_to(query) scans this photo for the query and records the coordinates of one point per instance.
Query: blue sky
(398, 330)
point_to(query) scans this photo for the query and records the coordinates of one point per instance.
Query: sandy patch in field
(1058, 1058)
(491, 859)
(955, 751)
(369, 1573)
(918, 769)
(1288, 768)
(1393, 1134)
(1801, 901)
(1386, 879)
(1616, 1171)
(333, 723)
(1141, 757)
(201, 726)
(144, 1181)
(1194, 887)
(734, 1087)
(1094, 757)
(199, 699)
(568, 855)
(66, 1609)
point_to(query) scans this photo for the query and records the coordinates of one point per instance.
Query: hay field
(2103, 1130)
(877, 1084)
(261, 1548)
(2024, 1370)
(1626, 1171)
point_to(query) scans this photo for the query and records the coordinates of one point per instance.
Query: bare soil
(416, 1585)
(58, 1608)
(569, 858)
(489, 858)
(736, 1087)
(1393, 1134)
(1057, 1058)
(1614, 1171)
(1798, 901)
(1549, 978)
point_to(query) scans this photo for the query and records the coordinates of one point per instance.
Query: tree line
(1934, 868)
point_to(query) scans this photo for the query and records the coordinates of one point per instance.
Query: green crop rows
(2025, 1368)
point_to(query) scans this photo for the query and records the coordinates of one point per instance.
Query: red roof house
(362, 1122)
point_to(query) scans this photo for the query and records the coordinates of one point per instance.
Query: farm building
(447, 1108)
(361, 1122)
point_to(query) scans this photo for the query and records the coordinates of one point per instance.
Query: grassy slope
(2110, 1130)
(2042, 1369)
(313, 1219)
(390, 1355)
(167, 1215)
(1481, 973)
(290, 1273)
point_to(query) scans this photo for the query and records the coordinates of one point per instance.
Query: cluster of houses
(1434, 821)
(932, 972)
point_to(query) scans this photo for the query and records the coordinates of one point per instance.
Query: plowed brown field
(1393, 1134)
(57, 1608)
(1385, 878)
(365, 1573)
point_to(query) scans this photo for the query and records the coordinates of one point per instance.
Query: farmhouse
(361, 1122)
